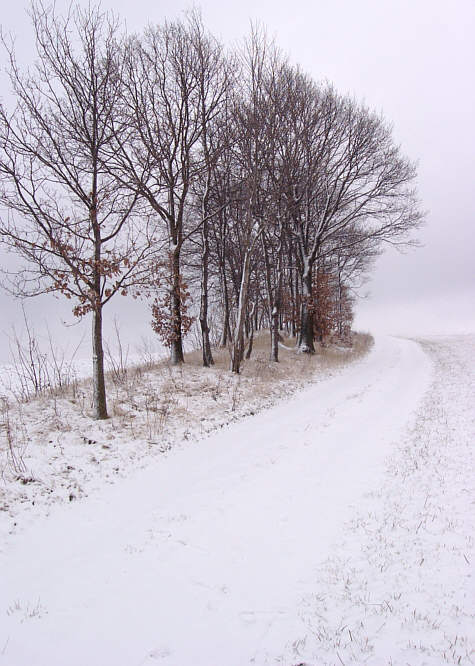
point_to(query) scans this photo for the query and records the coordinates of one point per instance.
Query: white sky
(411, 59)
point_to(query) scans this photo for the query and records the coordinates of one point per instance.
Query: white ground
(336, 527)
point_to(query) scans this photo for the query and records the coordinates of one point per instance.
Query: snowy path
(399, 588)
(203, 559)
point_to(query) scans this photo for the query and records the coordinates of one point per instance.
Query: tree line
(162, 164)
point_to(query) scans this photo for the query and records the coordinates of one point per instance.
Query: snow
(399, 588)
(335, 527)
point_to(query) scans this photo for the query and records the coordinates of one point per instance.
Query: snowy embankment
(333, 528)
(53, 451)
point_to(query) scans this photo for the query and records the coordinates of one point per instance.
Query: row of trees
(159, 164)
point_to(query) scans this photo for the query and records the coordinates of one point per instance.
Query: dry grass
(155, 400)
(152, 408)
(263, 380)
(166, 404)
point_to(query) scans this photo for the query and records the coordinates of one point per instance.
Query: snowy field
(335, 527)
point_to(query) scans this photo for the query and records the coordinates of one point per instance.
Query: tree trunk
(206, 346)
(237, 347)
(176, 347)
(340, 307)
(274, 296)
(318, 313)
(251, 332)
(274, 335)
(292, 306)
(306, 345)
(226, 334)
(98, 383)
(250, 344)
(99, 388)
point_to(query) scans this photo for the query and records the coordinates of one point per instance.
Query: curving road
(194, 561)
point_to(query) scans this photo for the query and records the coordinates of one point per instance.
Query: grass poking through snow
(52, 451)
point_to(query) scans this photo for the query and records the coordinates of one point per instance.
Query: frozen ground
(334, 528)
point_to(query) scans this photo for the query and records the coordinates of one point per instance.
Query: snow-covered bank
(53, 451)
(204, 557)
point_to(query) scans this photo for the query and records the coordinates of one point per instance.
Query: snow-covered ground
(52, 450)
(334, 528)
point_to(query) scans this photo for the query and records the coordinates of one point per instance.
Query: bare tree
(175, 86)
(64, 214)
(123, 154)
(251, 150)
(339, 170)
(222, 195)
(216, 77)
(273, 252)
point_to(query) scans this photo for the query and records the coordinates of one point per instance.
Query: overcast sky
(411, 59)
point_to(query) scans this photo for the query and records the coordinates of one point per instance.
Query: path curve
(192, 561)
